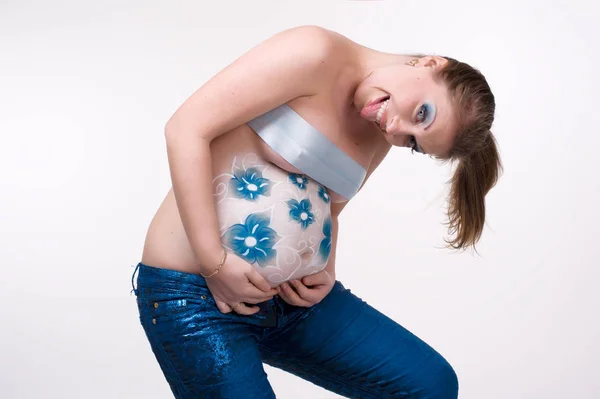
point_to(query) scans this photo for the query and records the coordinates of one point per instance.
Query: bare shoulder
(321, 39)
(327, 42)
(327, 51)
(313, 42)
(293, 63)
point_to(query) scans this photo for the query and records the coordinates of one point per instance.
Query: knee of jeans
(442, 381)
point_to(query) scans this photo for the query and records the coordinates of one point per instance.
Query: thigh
(202, 352)
(348, 347)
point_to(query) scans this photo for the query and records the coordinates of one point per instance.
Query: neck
(368, 61)
(371, 59)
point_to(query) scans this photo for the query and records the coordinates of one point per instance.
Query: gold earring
(412, 62)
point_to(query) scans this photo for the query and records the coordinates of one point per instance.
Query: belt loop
(133, 289)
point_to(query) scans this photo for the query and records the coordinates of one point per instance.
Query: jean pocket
(167, 310)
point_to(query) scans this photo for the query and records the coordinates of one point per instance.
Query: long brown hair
(474, 150)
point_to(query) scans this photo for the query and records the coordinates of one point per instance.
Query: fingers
(322, 277)
(302, 290)
(240, 308)
(259, 289)
(259, 281)
(291, 297)
(243, 309)
(222, 306)
(254, 295)
(257, 301)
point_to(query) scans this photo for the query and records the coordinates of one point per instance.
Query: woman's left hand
(307, 291)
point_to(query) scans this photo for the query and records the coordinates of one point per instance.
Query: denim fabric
(341, 344)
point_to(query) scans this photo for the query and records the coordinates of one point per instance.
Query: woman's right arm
(288, 65)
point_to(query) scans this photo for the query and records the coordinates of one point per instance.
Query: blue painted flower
(324, 194)
(253, 241)
(299, 180)
(325, 246)
(249, 184)
(300, 212)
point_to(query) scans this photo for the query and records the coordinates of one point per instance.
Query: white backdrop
(87, 86)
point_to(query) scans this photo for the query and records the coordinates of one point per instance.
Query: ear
(434, 61)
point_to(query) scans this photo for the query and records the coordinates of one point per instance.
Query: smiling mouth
(380, 112)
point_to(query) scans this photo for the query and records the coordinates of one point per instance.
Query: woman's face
(413, 110)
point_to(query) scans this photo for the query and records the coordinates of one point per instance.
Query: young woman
(238, 267)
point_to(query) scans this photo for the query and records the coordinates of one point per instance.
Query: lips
(369, 112)
(378, 100)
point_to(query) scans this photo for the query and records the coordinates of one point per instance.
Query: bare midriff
(269, 213)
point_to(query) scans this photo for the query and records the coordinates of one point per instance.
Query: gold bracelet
(219, 266)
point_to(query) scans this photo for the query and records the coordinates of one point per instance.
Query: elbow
(175, 132)
(171, 128)
(176, 126)
(172, 138)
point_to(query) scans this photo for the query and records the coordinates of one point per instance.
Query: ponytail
(473, 178)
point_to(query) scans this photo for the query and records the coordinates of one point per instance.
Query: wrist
(212, 260)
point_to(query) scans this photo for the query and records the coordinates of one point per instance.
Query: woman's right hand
(237, 284)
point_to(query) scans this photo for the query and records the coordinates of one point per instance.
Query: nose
(399, 128)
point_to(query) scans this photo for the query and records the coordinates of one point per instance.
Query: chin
(390, 139)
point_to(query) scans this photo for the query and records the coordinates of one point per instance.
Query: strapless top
(308, 150)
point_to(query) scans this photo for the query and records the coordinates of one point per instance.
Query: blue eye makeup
(426, 114)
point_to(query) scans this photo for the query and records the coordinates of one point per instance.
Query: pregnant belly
(280, 222)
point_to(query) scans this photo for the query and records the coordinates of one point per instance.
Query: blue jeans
(341, 344)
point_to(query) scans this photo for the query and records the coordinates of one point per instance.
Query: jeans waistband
(150, 277)
(155, 283)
